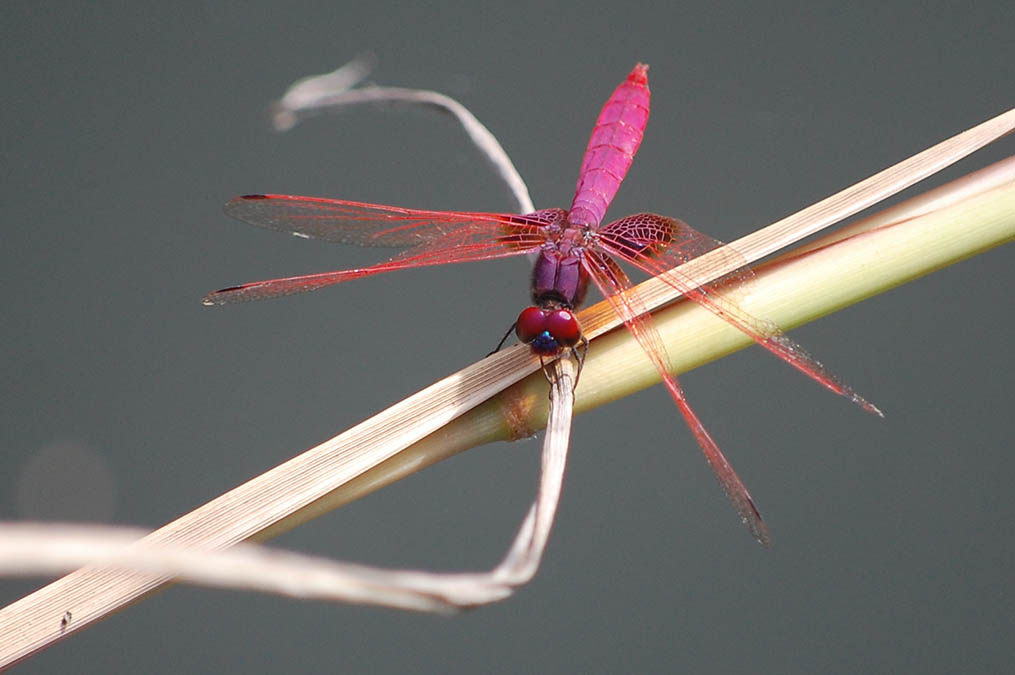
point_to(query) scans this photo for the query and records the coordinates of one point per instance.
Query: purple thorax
(558, 278)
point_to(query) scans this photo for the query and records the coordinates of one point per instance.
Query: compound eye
(532, 323)
(563, 327)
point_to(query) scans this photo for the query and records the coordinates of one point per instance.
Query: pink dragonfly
(571, 248)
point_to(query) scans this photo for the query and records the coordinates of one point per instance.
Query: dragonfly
(571, 248)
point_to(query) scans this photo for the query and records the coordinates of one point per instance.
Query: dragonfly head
(549, 331)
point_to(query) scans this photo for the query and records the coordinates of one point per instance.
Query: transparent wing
(612, 282)
(439, 238)
(375, 225)
(657, 244)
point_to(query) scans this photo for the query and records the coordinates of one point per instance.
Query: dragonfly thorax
(559, 283)
(558, 276)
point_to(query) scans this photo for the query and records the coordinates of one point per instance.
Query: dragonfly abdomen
(615, 140)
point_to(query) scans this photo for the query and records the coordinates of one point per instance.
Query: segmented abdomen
(611, 149)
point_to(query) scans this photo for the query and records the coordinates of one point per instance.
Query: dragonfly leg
(504, 339)
(579, 358)
(548, 373)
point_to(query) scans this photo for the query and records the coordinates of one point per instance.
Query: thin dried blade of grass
(34, 549)
(332, 91)
(523, 559)
(308, 94)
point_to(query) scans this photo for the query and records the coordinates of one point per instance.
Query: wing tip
(760, 531)
(221, 296)
(242, 199)
(867, 405)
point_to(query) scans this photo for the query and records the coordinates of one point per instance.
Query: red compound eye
(563, 327)
(532, 322)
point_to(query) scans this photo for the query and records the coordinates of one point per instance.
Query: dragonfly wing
(362, 224)
(657, 244)
(612, 283)
(463, 240)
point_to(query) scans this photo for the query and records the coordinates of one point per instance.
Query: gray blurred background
(125, 128)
